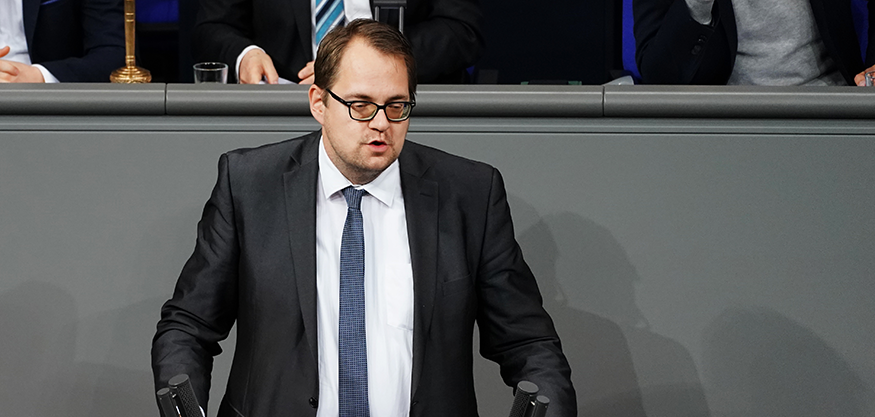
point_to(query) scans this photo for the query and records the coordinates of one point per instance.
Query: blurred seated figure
(749, 42)
(265, 40)
(60, 40)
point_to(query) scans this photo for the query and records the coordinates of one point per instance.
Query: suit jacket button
(314, 402)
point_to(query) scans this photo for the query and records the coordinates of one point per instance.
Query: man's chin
(378, 164)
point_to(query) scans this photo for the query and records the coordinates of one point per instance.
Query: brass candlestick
(130, 73)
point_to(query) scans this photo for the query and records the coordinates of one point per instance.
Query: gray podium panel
(718, 274)
(693, 266)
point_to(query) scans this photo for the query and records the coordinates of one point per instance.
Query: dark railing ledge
(736, 102)
(237, 100)
(431, 100)
(569, 101)
(82, 99)
(510, 100)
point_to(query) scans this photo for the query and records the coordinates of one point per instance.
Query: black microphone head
(178, 380)
(527, 387)
(539, 406)
(186, 400)
(165, 403)
(525, 391)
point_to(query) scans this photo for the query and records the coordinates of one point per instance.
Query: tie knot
(353, 197)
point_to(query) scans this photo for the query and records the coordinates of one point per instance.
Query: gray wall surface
(694, 266)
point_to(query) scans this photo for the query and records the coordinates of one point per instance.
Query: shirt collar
(384, 188)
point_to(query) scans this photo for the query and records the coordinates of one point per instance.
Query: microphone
(166, 404)
(525, 393)
(538, 408)
(180, 385)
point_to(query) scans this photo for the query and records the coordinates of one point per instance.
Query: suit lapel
(300, 196)
(30, 12)
(727, 15)
(303, 16)
(421, 210)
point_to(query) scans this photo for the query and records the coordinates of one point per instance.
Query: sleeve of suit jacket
(224, 28)
(445, 36)
(94, 47)
(515, 330)
(204, 304)
(869, 59)
(672, 48)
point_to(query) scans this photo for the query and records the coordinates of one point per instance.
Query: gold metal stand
(130, 73)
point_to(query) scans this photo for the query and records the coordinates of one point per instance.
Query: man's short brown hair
(379, 36)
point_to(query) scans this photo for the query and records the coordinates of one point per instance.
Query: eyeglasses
(363, 111)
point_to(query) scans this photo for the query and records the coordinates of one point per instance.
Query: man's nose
(380, 121)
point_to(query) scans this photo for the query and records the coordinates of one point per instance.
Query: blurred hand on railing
(16, 72)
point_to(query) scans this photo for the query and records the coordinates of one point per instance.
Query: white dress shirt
(388, 289)
(12, 35)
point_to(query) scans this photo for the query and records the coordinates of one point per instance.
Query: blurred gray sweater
(778, 43)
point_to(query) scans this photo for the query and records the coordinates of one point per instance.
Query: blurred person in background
(749, 42)
(50, 41)
(265, 40)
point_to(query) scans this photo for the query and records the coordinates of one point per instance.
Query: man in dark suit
(445, 35)
(675, 48)
(62, 41)
(439, 255)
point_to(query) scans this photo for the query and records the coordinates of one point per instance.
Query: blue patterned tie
(329, 13)
(353, 348)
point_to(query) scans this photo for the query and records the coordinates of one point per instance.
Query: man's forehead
(359, 49)
(362, 64)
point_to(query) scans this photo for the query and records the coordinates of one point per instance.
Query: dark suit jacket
(76, 40)
(255, 262)
(672, 48)
(445, 34)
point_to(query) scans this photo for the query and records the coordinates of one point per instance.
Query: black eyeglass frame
(383, 107)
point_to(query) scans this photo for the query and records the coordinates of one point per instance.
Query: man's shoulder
(299, 150)
(423, 159)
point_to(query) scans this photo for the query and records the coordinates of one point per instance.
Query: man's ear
(317, 105)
